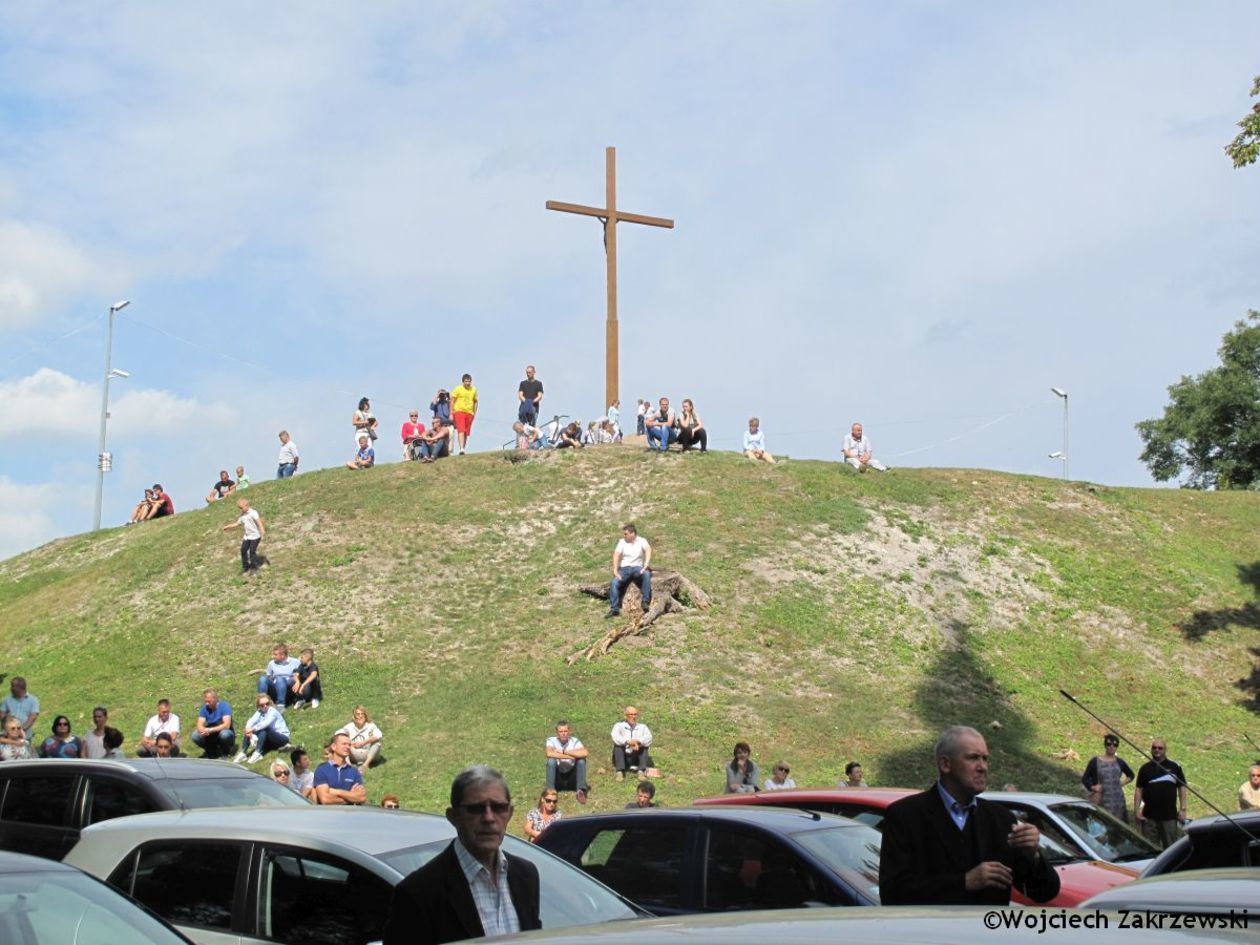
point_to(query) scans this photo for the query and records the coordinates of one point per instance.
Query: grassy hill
(854, 616)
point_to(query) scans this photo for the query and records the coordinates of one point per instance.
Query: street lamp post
(1063, 453)
(103, 460)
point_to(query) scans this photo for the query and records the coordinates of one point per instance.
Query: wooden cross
(610, 216)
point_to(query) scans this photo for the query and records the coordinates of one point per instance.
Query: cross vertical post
(610, 216)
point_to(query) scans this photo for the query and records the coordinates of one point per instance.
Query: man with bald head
(947, 846)
(631, 739)
(859, 453)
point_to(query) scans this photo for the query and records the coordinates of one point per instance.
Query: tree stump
(672, 593)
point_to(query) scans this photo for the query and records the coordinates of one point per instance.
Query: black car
(46, 903)
(714, 859)
(45, 803)
(1212, 843)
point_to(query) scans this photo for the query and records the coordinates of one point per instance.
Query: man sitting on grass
(337, 781)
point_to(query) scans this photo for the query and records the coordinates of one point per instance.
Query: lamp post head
(1059, 392)
(1057, 454)
(119, 373)
(119, 306)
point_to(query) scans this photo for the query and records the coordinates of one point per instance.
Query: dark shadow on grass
(959, 690)
(1250, 685)
(1203, 622)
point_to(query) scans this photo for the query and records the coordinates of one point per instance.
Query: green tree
(1245, 148)
(1211, 427)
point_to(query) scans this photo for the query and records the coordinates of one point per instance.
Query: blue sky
(919, 215)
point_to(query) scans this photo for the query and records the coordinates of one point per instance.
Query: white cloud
(50, 402)
(24, 519)
(40, 268)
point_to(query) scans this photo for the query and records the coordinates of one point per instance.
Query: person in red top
(155, 505)
(412, 431)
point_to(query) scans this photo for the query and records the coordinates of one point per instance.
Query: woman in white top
(365, 738)
(779, 780)
(363, 421)
(13, 743)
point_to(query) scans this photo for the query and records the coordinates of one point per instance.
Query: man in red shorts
(463, 409)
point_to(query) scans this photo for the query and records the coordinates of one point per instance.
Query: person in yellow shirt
(463, 409)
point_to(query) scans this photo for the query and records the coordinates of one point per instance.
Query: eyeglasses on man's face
(496, 807)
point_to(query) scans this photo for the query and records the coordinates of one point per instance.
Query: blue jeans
(435, 450)
(578, 770)
(216, 745)
(527, 412)
(275, 686)
(285, 470)
(266, 740)
(624, 579)
(661, 435)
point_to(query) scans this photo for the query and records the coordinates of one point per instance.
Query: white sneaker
(300, 704)
(255, 758)
(240, 756)
(314, 703)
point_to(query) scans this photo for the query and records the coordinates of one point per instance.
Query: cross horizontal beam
(603, 214)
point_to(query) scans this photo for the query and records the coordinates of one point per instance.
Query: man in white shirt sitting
(859, 453)
(631, 739)
(631, 564)
(755, 442)
(165, 721)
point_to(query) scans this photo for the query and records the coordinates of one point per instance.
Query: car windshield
(1107, 837)
(569, 896)
(851, 852)
(71, 908)
(230, 792)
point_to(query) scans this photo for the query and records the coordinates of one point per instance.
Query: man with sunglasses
(1159, 800)
(472, 888)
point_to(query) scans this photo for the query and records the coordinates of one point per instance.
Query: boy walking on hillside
(252, 523)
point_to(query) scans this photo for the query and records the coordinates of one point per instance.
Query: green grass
(854, 616)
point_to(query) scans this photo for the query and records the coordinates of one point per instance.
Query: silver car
(1219, 892)
(1080, 826)
(312, 876)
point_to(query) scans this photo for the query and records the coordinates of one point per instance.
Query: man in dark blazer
(947, 846)
(471, 888)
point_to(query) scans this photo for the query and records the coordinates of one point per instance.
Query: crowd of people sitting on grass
(451, 416)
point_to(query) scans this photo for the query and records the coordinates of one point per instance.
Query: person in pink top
(412, 431)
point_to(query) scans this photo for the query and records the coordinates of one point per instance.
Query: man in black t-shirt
(225, 486)
(1159, 800)
(530, 394)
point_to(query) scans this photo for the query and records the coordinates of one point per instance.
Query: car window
(108, 798)
(1053, 838)
(185, 882)
(320, 900)
(745, 870)
(43, 800)
(230, 792)
(644, 864)
(851, 852)
(44, 908)
(1104, 835)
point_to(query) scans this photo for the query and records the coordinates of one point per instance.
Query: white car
(287, 875)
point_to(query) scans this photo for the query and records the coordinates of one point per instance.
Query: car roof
(1250, 819)
(886, 925)
(786, 819)
(1187, 891)
(23, 863)
(156, 769)
(875, 797)
(370, 829)
(1033, 798)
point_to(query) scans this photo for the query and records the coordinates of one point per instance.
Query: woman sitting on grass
(13, 743)
(742, 776)
(365, 738)
(61, 744)
(537, 819)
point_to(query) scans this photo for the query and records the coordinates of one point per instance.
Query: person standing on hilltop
(463, 409)
(530, 395)
(364, 420)
(288, 456)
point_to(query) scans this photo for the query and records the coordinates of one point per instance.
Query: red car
(1079, 878)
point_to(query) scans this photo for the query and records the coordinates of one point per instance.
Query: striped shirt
(492, 898)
